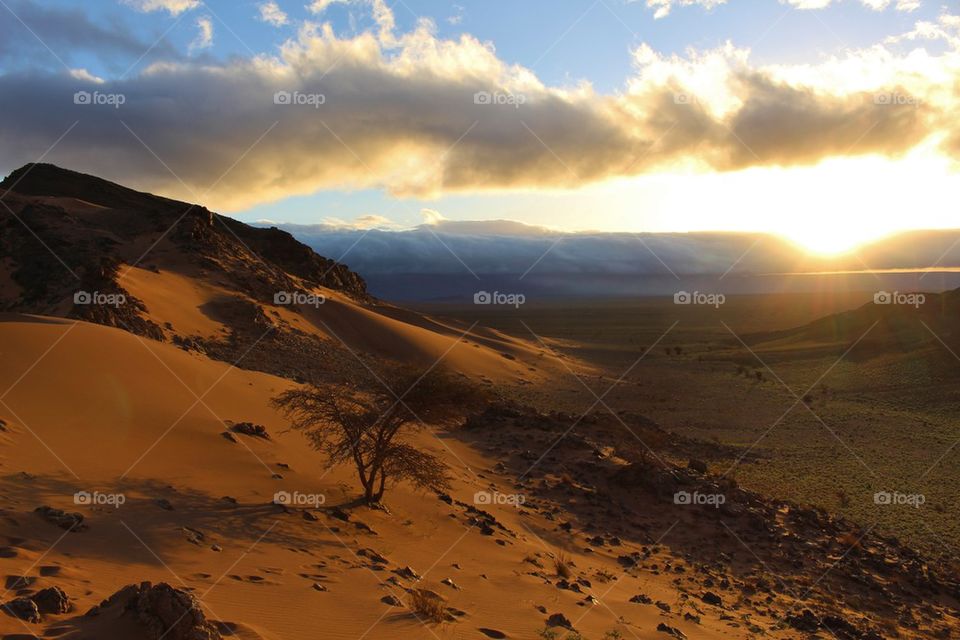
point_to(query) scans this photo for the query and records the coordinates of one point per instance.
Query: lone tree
(367, 427)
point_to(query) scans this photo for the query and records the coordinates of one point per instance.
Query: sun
(830, 240)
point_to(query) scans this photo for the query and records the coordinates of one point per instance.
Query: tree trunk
(380, 487)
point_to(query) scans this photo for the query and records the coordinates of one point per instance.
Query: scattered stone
(711, 598)
(372, 555)
(450, 583)
(641, 598)
(805, 621)
(673, 631)
(309, 515)
(164, 504)
(319, 587)
(51, 600)
(14, 583)
(69, 521)
(697, 465)
(393, 601)
(24, 609)
(229, 436)
(492, 633)
(162, 611)
(250, 429)
(559, 620)
(216, 547)
(194, 536)
(408, 573)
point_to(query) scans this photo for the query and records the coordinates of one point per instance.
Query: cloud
(173, 7)
(67, 33)
(662, 8)
(204, 39)
(85, 76)
(271, 13)
(418, 115)
(431, 217)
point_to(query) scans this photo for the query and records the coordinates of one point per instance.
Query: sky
(830, 122)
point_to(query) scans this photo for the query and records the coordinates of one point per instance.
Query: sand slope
(91, 408)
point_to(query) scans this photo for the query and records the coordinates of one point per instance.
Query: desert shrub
(561, 564)
(428, 605)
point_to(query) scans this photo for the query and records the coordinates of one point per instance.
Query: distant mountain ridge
(447, 260)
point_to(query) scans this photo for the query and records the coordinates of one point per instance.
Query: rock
(408, 573)
(229, 436)
(250, 429)
(15, 583)
(24, 609)
(59, 517)
(373, 556)
(216, 547)
(805, 621)
(308, 515)
(161, 610)
(711, 598)
(697, 465)
(339, 514)
(393, 601)
(641, 598)
(673, 631)
(559, 620)
(194, 536)
(164, 504)
(450, 583)
(51, 600)
(492, 633)
(319, 587)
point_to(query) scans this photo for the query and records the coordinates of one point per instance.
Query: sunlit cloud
(419, 115)
(173, 7)
(271, 13)
(204, 39)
